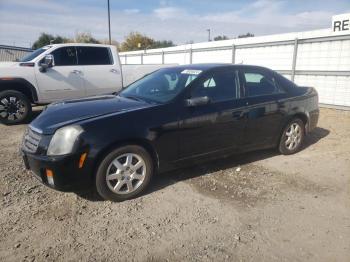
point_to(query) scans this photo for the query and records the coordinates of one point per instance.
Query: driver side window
(65, 56)
(218, 86)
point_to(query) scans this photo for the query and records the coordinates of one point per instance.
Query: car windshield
(34, 54)
(162, 85)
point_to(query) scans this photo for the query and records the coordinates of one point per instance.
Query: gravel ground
(258, 206)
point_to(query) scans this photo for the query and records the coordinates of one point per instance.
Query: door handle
(237, 114)
(114, 71)
(76, 72)
(281, 104)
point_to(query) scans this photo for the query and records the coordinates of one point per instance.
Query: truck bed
(131, 73)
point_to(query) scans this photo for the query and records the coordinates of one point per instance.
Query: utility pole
(209, 39)
(109, 23)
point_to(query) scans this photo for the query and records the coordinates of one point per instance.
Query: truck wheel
(15, 107)
(124, 173)
(292, 137)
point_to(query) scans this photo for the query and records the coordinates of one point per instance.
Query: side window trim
(76, 52)
(111, 60)
(239, 92)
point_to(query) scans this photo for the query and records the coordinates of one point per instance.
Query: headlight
(63, 141)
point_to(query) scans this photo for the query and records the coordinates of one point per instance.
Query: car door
(264, 112)
(63, 80)
(101, 74)
(217, 126)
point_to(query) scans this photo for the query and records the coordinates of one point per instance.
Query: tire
(292, 137)
(15, 107)
(116, 180)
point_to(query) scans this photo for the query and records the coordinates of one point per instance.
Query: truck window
(65, 56)
(88, 55)
(34, 54)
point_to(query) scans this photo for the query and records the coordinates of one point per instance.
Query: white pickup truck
(62, 71)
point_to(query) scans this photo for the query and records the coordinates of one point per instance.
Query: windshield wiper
(134, 98)
(147, 100)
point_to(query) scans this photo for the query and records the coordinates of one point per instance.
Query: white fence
(12, 53)
(315, 58)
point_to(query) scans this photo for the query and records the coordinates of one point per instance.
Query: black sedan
(166, 120)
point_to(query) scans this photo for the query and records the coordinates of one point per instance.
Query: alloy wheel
(126, 173)
(12, 108)
(293, 135)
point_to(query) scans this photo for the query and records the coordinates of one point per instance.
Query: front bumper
(66, 174)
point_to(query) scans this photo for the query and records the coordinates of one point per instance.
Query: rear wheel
(15, 107)
(124, 173)
(292, 137)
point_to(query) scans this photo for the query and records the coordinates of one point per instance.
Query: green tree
(85, 37)
(246, 35)
(221, 37)
(137, 41)
(46, 39)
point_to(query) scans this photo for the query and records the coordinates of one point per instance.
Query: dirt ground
(258, 206)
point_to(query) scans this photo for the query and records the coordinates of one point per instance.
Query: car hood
(8, 64)
(70, 112)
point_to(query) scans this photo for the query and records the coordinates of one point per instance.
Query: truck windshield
(162, 85)
(34, 54)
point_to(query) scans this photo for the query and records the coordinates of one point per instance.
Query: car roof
(209, 66)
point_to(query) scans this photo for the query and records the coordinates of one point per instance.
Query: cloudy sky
(21, 21)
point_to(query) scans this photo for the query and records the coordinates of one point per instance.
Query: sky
(182, 21)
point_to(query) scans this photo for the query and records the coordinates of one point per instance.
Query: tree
(246, 35)
(137, 41)
(85, 37)
(46, 39)
(113, 42)
(219, 38)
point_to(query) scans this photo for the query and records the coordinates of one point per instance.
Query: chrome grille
(31, 141)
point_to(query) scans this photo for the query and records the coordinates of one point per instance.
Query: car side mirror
(197, 101)
(47, 63)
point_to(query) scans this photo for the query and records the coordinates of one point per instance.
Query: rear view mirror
(197, 101)
(47, 63)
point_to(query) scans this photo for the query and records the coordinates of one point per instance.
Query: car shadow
(164, 180)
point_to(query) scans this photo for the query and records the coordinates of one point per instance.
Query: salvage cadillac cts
(168, 119)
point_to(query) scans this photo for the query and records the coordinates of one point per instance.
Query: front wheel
(124, 173)
(292, 137)
(15, 107)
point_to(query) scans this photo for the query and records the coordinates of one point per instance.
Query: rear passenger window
(253, 77)
(257, 83)
(94, 56)
(284, 83)
(218, 86)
